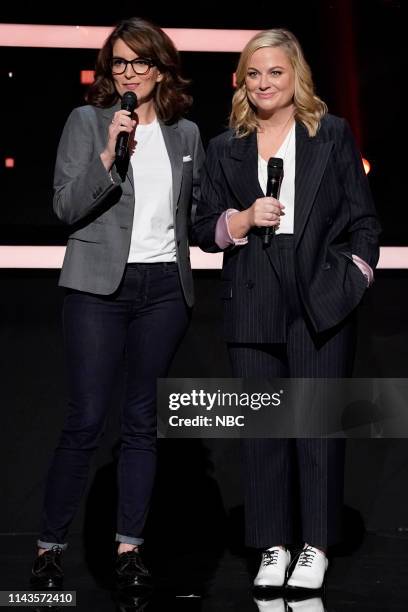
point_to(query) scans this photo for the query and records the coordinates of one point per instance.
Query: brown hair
(149, 41)
(309, 108)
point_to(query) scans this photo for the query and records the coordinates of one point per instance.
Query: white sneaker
(271, 605)
(309, 570)
(314, 604)
(273, 568)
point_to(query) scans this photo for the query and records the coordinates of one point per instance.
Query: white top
(287, 152)
(153, 227)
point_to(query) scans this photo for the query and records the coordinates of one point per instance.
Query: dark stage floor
(373, 577)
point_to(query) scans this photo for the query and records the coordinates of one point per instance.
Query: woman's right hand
(121, 122)
(264, 212)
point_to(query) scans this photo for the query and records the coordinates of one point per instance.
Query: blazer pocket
(346, 254)
(353, 264)
(89, 233)
(226, 290)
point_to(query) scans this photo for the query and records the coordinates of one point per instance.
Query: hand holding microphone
(129, 103)
(119, 130)
(263, 211)
(275, 176)
(266, 211)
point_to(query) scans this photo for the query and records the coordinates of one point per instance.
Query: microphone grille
(129, 101)
(275, 162)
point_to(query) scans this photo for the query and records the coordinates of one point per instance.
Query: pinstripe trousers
(294, 487)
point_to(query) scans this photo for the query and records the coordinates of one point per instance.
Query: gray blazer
(100, 206)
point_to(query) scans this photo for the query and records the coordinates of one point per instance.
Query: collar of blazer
(174, 146)
(241, 171)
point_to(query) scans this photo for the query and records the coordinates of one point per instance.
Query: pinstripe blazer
(99, 207)
(334, 218)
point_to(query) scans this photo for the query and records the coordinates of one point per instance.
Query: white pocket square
(186, 158)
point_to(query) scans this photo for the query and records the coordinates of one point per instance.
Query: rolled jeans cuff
(128, 539)
(49, 545)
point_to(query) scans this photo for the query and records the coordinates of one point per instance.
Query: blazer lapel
(241, 170)
(174, 148)
(311, 160)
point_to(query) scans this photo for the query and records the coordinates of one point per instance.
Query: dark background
(356, 51)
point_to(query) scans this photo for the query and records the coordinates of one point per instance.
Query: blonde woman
(289, 306)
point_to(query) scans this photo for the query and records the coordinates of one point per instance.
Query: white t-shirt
(287, 152)
(153, 226)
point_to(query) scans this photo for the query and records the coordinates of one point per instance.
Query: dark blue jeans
(139, 326)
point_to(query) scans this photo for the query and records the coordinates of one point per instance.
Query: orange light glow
(9, 162)
(87, 77)
(234, 80)
(367, 165)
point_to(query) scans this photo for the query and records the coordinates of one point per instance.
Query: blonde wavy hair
(309, 108)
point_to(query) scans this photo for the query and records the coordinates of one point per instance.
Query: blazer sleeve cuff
(223, 238)
(364, 269)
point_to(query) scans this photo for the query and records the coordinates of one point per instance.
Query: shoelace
(270, 557)
(306, 557)
(130, 558)
(51, 557)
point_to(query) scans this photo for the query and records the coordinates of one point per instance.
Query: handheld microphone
(129, 103)
(275, 176)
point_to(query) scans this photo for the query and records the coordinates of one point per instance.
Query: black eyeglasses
(140, 65)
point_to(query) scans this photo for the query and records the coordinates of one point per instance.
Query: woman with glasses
(129, 287)
(290, 297)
